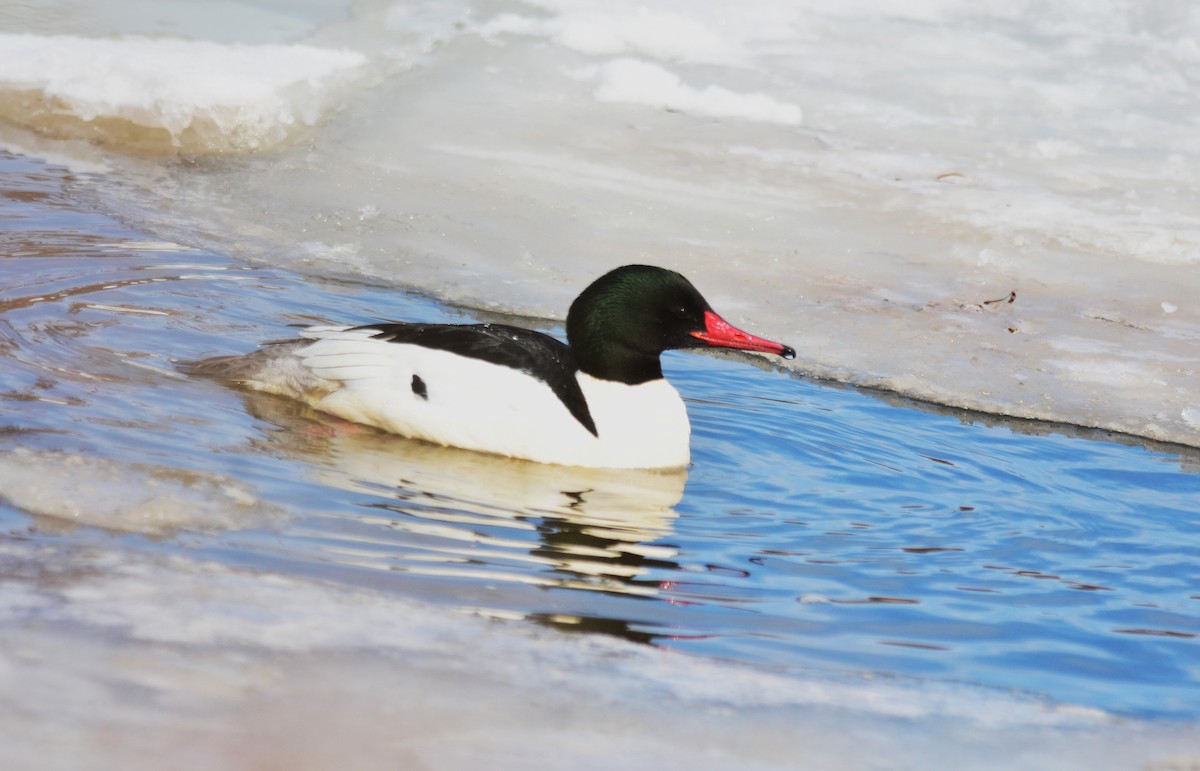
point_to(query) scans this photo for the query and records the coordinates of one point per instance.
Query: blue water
(819, 528)
(898, 539)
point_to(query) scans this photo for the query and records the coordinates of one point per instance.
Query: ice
(163, 95)
(857, 181)
(137, 661)
(223, 21)
(664, 35)
(867, 183)
(138, 498)
(636, 82)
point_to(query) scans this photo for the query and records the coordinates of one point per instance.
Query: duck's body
(528, 401)
(600, 401)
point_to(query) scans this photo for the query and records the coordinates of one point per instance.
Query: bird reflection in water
(431, 511)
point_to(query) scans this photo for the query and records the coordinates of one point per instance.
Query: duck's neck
(617, 363)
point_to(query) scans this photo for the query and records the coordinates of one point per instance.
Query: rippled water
(819, 527)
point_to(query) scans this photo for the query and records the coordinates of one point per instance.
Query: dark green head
(620, 325)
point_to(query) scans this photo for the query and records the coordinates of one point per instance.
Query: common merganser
(599, 400)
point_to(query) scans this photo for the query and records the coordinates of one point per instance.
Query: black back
(533, 353)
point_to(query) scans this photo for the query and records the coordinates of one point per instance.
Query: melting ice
(868, 182)
(984, 204)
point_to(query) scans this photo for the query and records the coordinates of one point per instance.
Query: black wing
(534, 353)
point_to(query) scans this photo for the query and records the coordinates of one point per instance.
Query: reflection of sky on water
(820, 529)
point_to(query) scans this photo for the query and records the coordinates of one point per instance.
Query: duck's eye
(681, 312)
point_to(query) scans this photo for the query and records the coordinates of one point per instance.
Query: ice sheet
(871, 184)
(159, 95)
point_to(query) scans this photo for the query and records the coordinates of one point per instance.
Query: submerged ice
(138, 498)
(214, 667)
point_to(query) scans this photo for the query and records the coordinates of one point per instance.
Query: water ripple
(819, 526)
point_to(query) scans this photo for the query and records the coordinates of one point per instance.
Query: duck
(599, 400)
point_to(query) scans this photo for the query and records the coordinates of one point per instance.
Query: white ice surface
(112, 659)
(137, 498)
(159, 94)
(857, 179)
(632, 81)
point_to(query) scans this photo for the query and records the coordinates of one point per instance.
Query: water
(822, 531)
(843, 579)
(818, 528)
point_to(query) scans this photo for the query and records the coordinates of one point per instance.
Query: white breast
(639, 426)
(464, 402)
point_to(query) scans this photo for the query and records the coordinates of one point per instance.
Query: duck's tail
(274, 368)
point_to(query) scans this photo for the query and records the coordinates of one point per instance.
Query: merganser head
(620, 325)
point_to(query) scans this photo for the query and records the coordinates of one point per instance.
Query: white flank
(464, 402)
